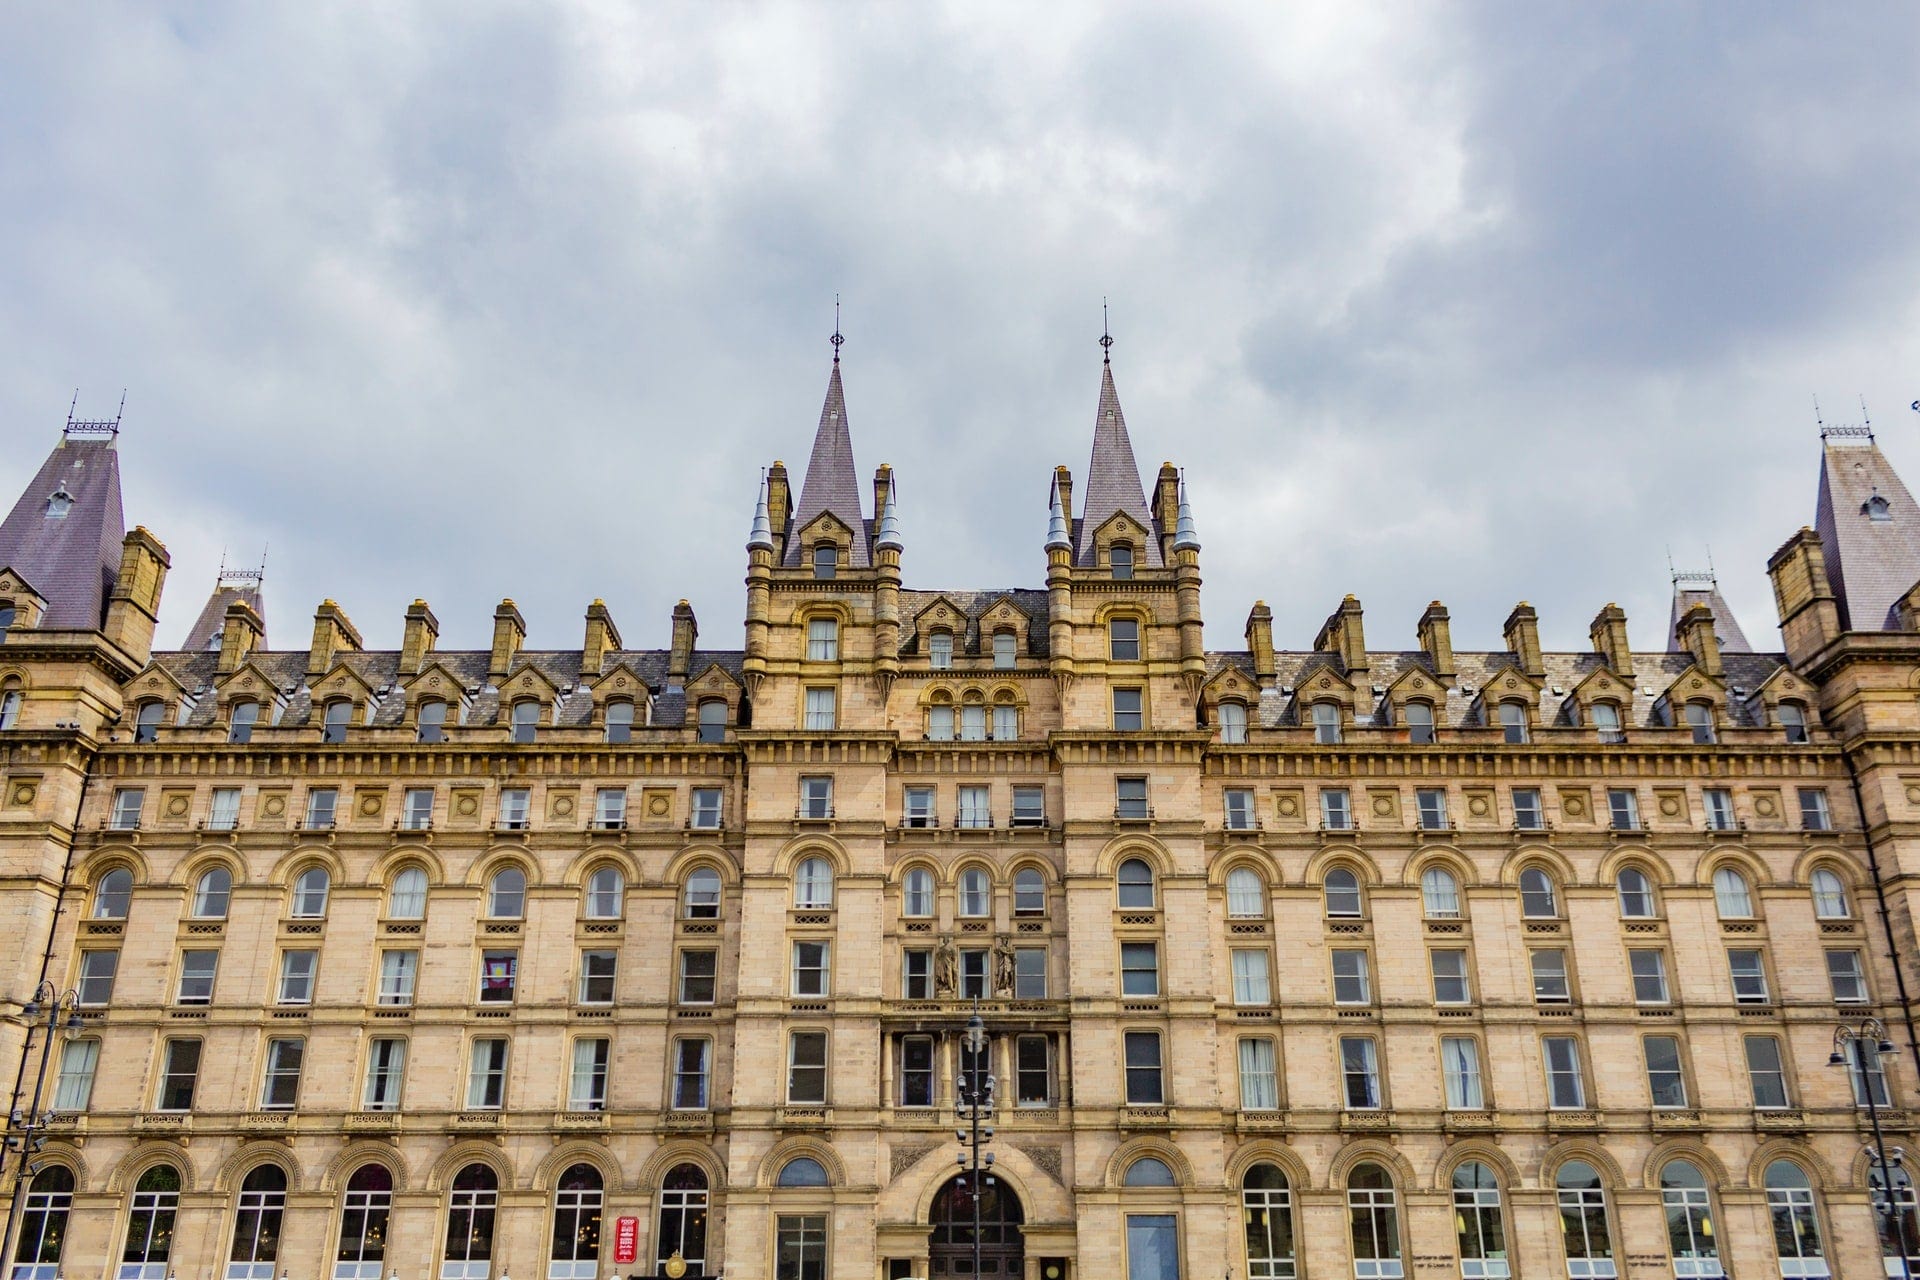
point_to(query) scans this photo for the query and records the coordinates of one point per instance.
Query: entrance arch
(950, 1247)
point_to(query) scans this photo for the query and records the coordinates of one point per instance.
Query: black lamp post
(26, 1130)
(1859, 1049)
(975, 1091)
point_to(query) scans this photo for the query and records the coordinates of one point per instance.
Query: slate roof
(832, 484)
(1113, 480)
(1707, 592)
(213, 615)
(1871, 563)
(71, 561)
(975, 604)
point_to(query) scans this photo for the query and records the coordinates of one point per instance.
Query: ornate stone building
(1348, 961)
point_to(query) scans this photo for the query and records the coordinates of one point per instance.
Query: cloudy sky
(471, 300)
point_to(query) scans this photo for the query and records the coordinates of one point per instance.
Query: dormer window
(1700, 720)
(333, 725)
(526, 720)
(1513, 722)
(940, 650)
(62, 502)
(1326, 723)
(1876, 507)
(1419, 719)
(1606, 723)
(7, 616)
(241, 720)
(619, 722)
(1793, 721)
(826, 560)
(1233, 722)
(1120, 557)
(433, 721)
(146, 721)
(1004, 643)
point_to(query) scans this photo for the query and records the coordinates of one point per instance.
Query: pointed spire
(1184, 534)
(761, 539)
(64, 534)
(1113, 478)
(832, 485)
(890, 522)
(230, 586)
(1057, 522)
(1869, 529)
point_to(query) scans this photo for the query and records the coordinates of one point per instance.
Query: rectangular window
(498, 970)
(1749, 974)
(1030, 973)
(96, 976)
(1250, 984)
(1765, 1072)
(513, 808)
(1527, 813)
(1450, 984)
(940, 650)
(800, 1246)
(1460, 1067)
(1550, 984)
(820, 708)
(1336, 809)
(1813, 810)
(976, 809)
(1565, 1088)
(78, 1061)
(807, 1068)
(1848, 978)
(1033, 1071)
(1029, 807)
(1360, 1073)
(1623, 809)
(697, 973)
(1130, 798)
(1868, 1073)
(225, 813)
(1139, 969)
(1259, 1079)
(197, 969)
(1239, 809)
(127, 802)
(1432, 802)
(973, 723)
(418, 814)
(1144, 1086)
(1127, 717)
(706, 809)
(1123, 640)
(386, 1070)
(919, 811)
(487, 1075)
(810, 976)
(1666, 1083)
(1006, 724)
(1153, 1245)
(974, 964)
(916, 970)
(940, 723)
(1350, 979)
(296, 976)
(178, 1075)
(587, 1087)
(398, 970)
(1649, 970)
(1326, 724)
(816, 797)
(281, 1088)
(596, 976)
(916, 1071)
(320, 807)
(1719, 809)
(610, 808)
(823, 640)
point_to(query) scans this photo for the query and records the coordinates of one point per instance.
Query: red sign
(626, 1239)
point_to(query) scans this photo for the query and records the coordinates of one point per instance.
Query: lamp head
(1835, 1060)
(1885, 1046)
(976, 1034)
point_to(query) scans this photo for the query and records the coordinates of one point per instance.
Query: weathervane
(1106, 335)
(836, 339)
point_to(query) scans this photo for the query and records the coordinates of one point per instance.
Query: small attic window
(59, 504)
(1120, 558)
(826, 560)
(1877, 508)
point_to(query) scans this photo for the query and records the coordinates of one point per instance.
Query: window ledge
(373, 1121)
(1261, 1121)
(1470, 1121)
(1667, 1118)
(476, 1120)
(1366, 1121)
(803, 1117)
(1576, 1121)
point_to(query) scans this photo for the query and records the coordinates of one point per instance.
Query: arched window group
(973, 893)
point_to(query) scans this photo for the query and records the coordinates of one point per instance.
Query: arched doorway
(950, 1248)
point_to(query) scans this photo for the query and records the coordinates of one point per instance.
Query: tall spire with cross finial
(832, 486)
(1113, 478)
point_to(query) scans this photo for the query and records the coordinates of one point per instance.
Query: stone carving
(1047, 1158)
(904, 1158)
(1003, 967)
(945, 968)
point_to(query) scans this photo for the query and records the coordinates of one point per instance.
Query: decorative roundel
(562, 807)
(153, 682)
(370, 805)
(467, 806)
(1477, 806)
(1510, 683)
(658, 806)
(620, 682)
(1695, 684)
(24, 793)
(1669, 806)
(177, 807)
(1325, 683)
(274, 807)
(1418, 683)
(1383, 806)
(1574, 805)
(433, 682)
(526, 682)
(1288, 806)
(1763, 804)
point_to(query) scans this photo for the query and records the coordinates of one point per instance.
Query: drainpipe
(1886, 918)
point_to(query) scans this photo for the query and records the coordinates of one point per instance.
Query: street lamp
(26, 1130)
(1859, 1049)
(975, 1092)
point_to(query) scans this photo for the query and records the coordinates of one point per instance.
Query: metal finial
(1106, 335)
(1817, 420)
(836, 339)
(1865, 420)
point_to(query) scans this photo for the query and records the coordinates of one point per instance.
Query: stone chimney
(1522, 633)
(133, 606)
(421, 634)
(1809, 611)
(1436, 639)
(686, 630)
(1260, 642)
(509, 633)
(602, 638)
(1609, 633)
(240, 634)
(333, 634)
(1696, 635)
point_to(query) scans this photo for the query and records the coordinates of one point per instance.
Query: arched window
(1513, 722)
(575, 1254)
(1636, 894)
(619, 722)
(1233, 722)
(1006, 721)
(976, 893)
(150, 1216)
(334, 718)
(1120, 559)
(113, 894)
(940, 649)
(1606, 722)
(1691, 1235)
(1326, 723)
(1005, 646)
(10, 710)
(826, 560)
(470, 1210)
(507, 894)
(973, 722)
(1796, 1226)
(1700, 720)
(1538, 899)
(1029, 893)
(146, 721)
(1440, 894)
(1792, 719)
(1135, 883)
(256, 1224)
(1731, 897)
(1148, 1171)
(683, 1218)
(43, 1223)
(1830, 896)
(1478, 1222)
(407, 897)
(1266, 1205)
(1246, 899)
(310, 893)
(240, 720)
(1900, 1237)
(211, 892)
(1373, 1221)
(363, 1224)
(606, 893)
(803, 1171)
(823, 640)
(526, 721)
(1343, 892)
(702, 897)
(713, 720)
(940, 722)
(1419, 720)
(432, 720)
(1583, 1221)
(916, 893)
(813, 883)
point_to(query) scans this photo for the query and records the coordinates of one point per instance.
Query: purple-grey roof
(1113, 479)
(1725, 627)
(213, 615)
(1871, 563)
(832, 484)
(71, 560)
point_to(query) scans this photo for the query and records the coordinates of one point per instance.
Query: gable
(341, 682)
(527, 681)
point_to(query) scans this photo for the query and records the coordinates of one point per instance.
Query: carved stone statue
(1003, 967)
(946, 969)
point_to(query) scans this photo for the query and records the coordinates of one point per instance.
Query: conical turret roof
(64, 534)
(1869, 530)
(832, 485)
(1113, 479)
